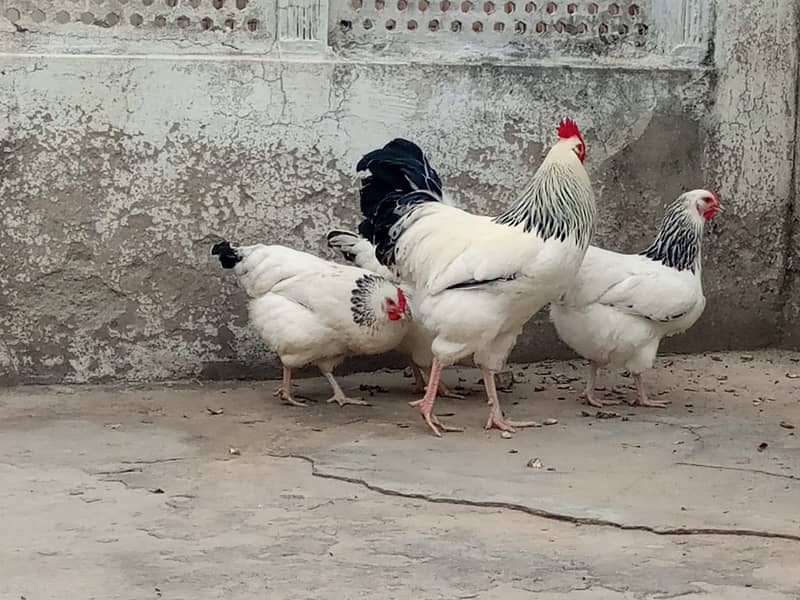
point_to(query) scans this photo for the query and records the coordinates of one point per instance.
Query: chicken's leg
(588, 394)
(284, 392)
(426, 404)
(496, 418)
(338, 394)
(641, 398)
(419, 379)
(444, 391)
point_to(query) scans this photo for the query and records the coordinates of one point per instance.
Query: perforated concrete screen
(447, 30)
(519, 29)
(488, 23)
(131, 25)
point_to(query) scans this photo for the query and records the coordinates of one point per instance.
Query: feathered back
(400, 178)
(260, 267)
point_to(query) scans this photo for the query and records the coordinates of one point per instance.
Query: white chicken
(478, 279)
(312, 311)
(621, 305)
(416, 345)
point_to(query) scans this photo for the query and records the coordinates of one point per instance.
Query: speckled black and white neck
(554, 205)
(361, 301)
(679, 241)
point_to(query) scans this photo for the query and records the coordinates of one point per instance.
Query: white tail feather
(358, 251)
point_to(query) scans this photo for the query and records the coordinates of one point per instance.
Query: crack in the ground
(538, 512)
(669, 596)
(155, 461)
(116, 472)
(746, 470)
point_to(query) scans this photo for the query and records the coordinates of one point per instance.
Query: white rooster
(478, 279)
(622, 305)
(417, 343)
(312, 311)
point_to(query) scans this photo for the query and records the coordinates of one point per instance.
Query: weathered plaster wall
(755, 116)
(119, 171)
(790, 326)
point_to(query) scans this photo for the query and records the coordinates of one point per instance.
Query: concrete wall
(128, 149)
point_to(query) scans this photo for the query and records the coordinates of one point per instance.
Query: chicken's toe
(437, 426)
(446, 392)
(649, 403)
(343, 400)
(496, 421)
(287, 397)
(592, 400)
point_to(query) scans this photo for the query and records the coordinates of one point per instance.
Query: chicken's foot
(426, 403)
(444, 391)
(641, 398)
(419, 379)
(588, 393)
(284, 392)
(339, 396)
(496, 419)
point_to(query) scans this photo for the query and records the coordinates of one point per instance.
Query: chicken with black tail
(478, 279)
(312, 311)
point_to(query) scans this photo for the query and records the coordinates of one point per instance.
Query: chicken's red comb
(567, 129)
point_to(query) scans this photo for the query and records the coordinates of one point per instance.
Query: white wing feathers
(634, 285)
(450, 247)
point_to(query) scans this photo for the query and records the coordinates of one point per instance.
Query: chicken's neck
(557, 203)
(679, 241)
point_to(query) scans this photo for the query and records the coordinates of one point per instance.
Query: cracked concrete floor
(134, 492)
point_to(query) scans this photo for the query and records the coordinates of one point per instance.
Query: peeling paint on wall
(117, 174)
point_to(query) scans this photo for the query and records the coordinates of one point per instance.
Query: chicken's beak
(720, 208)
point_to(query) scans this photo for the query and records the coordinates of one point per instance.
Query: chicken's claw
(432, 420)
(446, 392)
(286, 396)
(496, 421)
(437, 426)
(649, 403)
(591, 400)
(343, 400)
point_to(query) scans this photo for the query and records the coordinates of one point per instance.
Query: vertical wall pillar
(754, 122)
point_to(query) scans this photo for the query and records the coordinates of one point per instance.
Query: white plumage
(478, 279)
(621, 306)
(312, 311)
(416, 344)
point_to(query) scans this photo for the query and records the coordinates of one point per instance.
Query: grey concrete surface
(127, 150)
(135, 492)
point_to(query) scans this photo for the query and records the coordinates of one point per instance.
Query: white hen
(622, 305)
(312, 311)
(416, 345)
(478, 279)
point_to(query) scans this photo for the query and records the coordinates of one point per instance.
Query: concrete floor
(136, 493)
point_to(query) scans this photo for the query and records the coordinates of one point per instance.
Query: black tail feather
(400, 179)
(333, 233)
(337, 232)
(228, 256)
